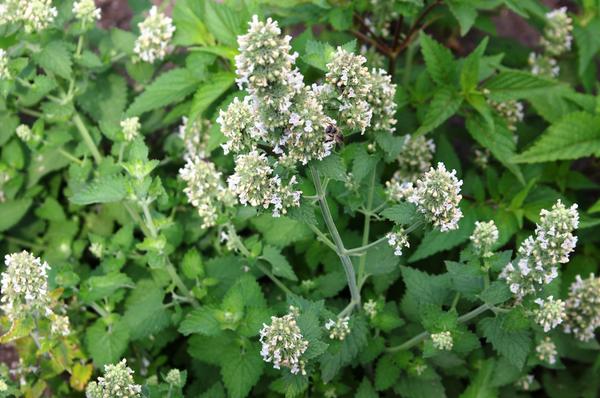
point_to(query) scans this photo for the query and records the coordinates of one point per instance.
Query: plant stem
(322, 237)
(362, 262)
(87, 138)
(422, 336)
(362, 249)
(274, 279)
(337, 240)
(101, 311)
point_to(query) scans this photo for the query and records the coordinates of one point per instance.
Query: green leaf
(444, 104)
(200, 320)
(318, 54)
(224, 23)
(332, 167)
(496, 293)
(102, 190)
(281, 267)
(438, 59)
(170, 87)
(425, 288)
(40, 86)
(465, 13)
(208, 92)
(241, 370)
(469, 74)
(145, 313)
(586, 37)
(97, 287)
(513, 84)
(209, 349)
(466, 279)
(387, 372)
(55, 58)
(381, 259)
(106, 344)
(366, 390)
(436, 241)
(575, 136)
(429, 384)
(403, 213)
(280, 231)
(190, 30)
(342, 354)
(512, 343)
(12, 211)
(51, 210)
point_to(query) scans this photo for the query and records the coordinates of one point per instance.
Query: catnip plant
(365, 199)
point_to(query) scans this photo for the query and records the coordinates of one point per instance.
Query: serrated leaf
(387, 372)
(403, 213)
(514, 345)
(425, 288)
(345, 352)
(100, 286)
(332, 167)
(145, 313)
(427, 385)
(200, 320)
(102, 190)
(438, 59)
(106, 344)
(318, 54)
(241, 370)
(170, 87)
(588, 45)
(12, 211)
(575, 136)
(444, 104)
(465, 13)
(281, 267)
(55, 58)
(513, 84)
(190, 30)
(366, 390)
(280, 231)
(381, 259)
(209, 91)
(496, 293)
(224, 23)
(466, 279)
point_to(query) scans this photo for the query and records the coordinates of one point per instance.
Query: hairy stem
(337, 240)
(87, 138)
(422, 336)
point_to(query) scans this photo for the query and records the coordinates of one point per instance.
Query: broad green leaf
(209, 349)
(332, 167)
(190, 30)
(209, 91)
(427, 385)
(145, 313)
(200, 320)
(496, 293)
(469, 74)
(281, 267)
(381, 259)
(366, 390)
(224, 23)
(342, 354)
(281, 231)
(12, 211)
(575, 136)
(387, 372)
(403, 213)
(513, 84)
(170, 87)
(106, 344)
(102, 190)
(444, 104)
(465, 13)
(40, 86)
(55, 58)
(97, 287)
(51, 210)
(586, 37)
(466, 279)
(241, 370)
(480, 386)
(439, 60)
(509, 341)
(425, 288)
(318, 54)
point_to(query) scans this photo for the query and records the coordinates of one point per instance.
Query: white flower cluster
(442, 340)
(382, 102)
(540, 255)
(370, 308)
(86, 11)
(173, 377)
(550, 313)
(5, 176)
(583, 308)
(25, 286)
(4, 71)
(413, 160)
(131, 128)
(25, 133)
(557, 37)
(348, 79)
(205, 189)
(195, 137)
(338, 329)
(511, 111)
(155, 36)
(117, 383)
(437, 195)
(546, 351)
(525, 383)
(255, 184)
(25, 291)
(241, 125)
(484, 237)
(283, 343)
(556, 40)
(398, 239)
(35, 15)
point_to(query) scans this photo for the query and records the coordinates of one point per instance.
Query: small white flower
(370, 308)
(557, 37)
(550, 314)
(398, 239)
(546, 351)
(35, 15)
(86, 11)
(156, 32)
(338, 329)
(116, 382)
(511, 111)
(484, 237)
(583, 308)
(442, 340)
(4, 71)
(131, 128)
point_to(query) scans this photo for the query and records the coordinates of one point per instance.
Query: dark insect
(333, 134)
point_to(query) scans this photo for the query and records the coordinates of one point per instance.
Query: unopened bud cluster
(398, 239)
(550, 313)
(556, 40)
(370, 308)
(442, 340)
(511, 111)
(583, 308)
(437, 195)
(117, 382)
(205, 189)
(546, 351)
(173, 377)
(540, 255)
(35, 15)
(86, 11)
(338, 329)
(484, 237)
(155, 36)
(25, 291)
(283, 343)
(195, 136)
